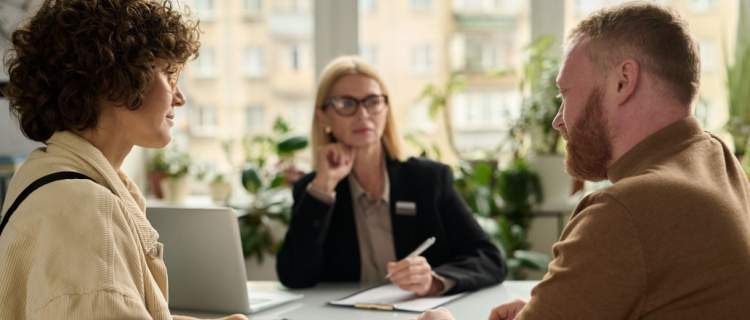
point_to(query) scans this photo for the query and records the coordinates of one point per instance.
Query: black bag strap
(35, 185)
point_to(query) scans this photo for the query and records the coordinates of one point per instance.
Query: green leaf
(251, 179)
(532, 260)
(291, 144)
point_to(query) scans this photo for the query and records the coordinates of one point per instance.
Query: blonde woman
(367, 206)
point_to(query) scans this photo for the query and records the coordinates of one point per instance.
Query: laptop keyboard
(258, 300)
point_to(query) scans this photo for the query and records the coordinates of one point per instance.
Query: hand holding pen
(413, 273)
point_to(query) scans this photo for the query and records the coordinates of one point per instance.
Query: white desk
(314, 306)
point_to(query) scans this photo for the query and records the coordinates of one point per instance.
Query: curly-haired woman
(90, 79)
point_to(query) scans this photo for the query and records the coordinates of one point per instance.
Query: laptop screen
(203, 255)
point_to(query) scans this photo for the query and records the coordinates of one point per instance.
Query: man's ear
(628, 76)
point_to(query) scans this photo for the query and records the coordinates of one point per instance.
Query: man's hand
(232, 317)
(507, 311)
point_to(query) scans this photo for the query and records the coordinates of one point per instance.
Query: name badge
(406, 208)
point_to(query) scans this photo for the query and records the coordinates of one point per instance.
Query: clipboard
(389, 297)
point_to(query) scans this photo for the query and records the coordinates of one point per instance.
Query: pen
(422, 247)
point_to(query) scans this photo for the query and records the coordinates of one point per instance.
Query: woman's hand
(436, 314)
(335, 161)
(507, 311)
(414, 274)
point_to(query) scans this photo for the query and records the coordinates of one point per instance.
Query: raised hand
(335, 161)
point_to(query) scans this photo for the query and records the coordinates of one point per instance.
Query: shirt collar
(358, 191)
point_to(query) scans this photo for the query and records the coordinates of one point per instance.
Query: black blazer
(321, 243)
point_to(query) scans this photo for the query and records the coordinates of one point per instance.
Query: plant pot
(219, 191)
(176, 189)
(154, 181)
(556, 183)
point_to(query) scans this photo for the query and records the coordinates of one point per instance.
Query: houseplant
(502, 201)
(738, 84)
(270, 170)
(533, 129)
(169, 171)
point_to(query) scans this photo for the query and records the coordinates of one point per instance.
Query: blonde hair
(655, 36)
(337, 68)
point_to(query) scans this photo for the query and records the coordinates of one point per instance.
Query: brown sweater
(670, 239)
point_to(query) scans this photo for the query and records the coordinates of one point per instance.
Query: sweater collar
(662, 143)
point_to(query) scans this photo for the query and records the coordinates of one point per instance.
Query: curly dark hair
(72, 54)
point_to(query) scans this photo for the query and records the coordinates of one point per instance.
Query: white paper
(392, 295)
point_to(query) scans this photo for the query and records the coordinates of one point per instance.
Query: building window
(254, 62)
(422, 59)
(702, 5)
(481, 118)
(709, 55)
(298, 57)
(255, 119)
(370, 54)
(419, 117)
(252, 8)
(203, 121)
(205, 65)
(300, 115)
(205, 9)
(367, 6)
(421, 6)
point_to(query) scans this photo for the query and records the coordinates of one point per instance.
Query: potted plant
(169, 173)
(268, 183)
(502, 202)
(176, 186)
(738, 85)
(219, 188)
(534, 125)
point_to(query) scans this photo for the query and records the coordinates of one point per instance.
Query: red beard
(588, 144)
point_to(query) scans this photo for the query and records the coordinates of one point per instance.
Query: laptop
(205, 266)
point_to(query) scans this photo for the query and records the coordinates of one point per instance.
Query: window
(203, 121)
(252, 8)
(702, 5)
(421, 6)
(367, 6)
(370, 54)
(298, 57)
(205, 9)
(254, 64)
(489, 52)
(255, 119)
(419, 117)
(422, 59)
(300, 115)
(709, 55)
(485, 5)
(481, 117)
(205, 65)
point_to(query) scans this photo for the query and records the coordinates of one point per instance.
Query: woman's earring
(327, 129)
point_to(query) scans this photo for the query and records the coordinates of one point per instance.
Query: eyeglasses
(173, 74)
(172, 77)
(348, 106)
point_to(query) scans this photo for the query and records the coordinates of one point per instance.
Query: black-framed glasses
(348, 106)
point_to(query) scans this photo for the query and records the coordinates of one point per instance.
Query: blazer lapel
(402, 189)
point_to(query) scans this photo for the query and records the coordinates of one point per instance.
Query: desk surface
(314, 306)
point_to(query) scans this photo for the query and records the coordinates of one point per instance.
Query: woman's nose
(178, 98)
